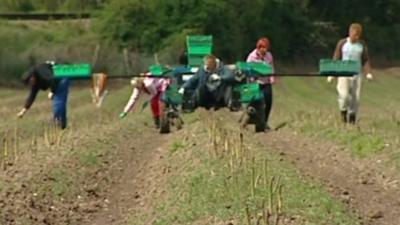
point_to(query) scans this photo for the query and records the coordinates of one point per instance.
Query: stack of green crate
(339, 67)
(73, 71)
(198, 46)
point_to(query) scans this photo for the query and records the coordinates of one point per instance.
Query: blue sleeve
(192, 82)
(227, 75)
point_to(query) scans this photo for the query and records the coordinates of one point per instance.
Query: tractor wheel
(234, 101)
(178, 123)
(165, 124)
(260, 117)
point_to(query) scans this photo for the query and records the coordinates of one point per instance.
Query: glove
(122, 115)
(329, 79)
(50, 95)
(239, 77)
(181, 90)
(21, 113)
(369, 76)
(215, 77)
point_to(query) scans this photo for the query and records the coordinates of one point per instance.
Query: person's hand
(122, 115)
(329, 79)
(239, 77)
(181, 90)
(369, 76)
(21, 113)
(215, 77)
(50, 95)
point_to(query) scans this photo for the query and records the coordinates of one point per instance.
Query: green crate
(339, 67)
(198, 46)
(159, 70)
(255, 68)
(72, 70)
(250, 92)
(172, 96)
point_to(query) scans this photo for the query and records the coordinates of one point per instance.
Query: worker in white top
(349, 88)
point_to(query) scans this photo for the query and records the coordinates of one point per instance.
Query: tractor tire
(260, 123)
(165, 127)
(188, 105)
(234, 101)
(178, 123)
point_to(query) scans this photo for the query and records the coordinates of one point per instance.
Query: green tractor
(249, 94)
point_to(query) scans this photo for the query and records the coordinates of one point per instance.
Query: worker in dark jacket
(209, 84)
(41, 77)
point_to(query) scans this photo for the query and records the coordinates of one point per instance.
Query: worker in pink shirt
(154, 87)
(261, 54)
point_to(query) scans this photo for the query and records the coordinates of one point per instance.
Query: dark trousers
(267, 92)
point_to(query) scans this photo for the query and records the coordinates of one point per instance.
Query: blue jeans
(60, 103)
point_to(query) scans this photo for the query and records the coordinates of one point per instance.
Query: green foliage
(49, 5)
(229, 21)
(69, 42)
(379, 19)
(297, 29)
(176, 146)
(31, 42)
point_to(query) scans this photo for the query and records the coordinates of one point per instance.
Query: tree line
(298, 29)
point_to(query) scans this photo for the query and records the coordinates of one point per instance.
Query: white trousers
(349, 90)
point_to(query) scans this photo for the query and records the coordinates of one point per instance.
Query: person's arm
(337, 54)
(32, 96)
(227, 75)
(365, 59)
(367, 69)
(192, 82)
(29, 101)
(132, 100)
(53, 87)
(271, 62)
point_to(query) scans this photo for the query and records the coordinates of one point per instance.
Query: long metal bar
(276, 75)
(132, 76)
(311, 75)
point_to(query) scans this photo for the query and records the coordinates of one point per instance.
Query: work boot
(352, 118)
(343, 114)
(157, 122)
